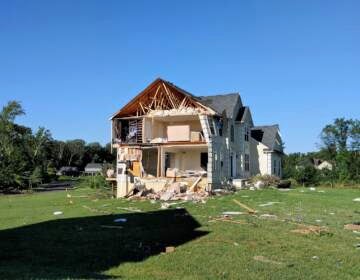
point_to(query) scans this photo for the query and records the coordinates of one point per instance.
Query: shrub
(97, 182)
(307, 175)
(268, 180)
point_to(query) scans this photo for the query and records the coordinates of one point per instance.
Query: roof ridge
(220, 94)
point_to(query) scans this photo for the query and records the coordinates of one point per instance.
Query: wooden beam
(169, 97)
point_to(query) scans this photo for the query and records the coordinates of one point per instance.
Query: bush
(307, 175)
(268, 180)
(97, 182)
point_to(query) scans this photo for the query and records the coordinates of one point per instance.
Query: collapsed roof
(163, 95)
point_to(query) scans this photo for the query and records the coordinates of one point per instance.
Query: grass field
(85, 242)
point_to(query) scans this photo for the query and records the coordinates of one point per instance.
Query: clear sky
(74, 63)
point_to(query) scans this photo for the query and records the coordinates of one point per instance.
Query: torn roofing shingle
(221, 103)
(267, 135)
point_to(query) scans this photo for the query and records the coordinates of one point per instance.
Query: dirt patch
(354, 226)
(310, 229)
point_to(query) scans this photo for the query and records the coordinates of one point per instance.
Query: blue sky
(74, 63)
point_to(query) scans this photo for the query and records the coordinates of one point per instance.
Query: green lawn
(85, 242)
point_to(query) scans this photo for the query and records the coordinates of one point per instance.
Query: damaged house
(167, 132)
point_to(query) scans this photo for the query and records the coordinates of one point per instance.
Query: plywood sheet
(178, 133)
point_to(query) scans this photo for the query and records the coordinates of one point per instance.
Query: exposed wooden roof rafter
(160, 95)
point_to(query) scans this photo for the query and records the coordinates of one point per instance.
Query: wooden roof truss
(160, 96)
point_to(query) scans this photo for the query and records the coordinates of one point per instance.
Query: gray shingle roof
(221, 103)
(266, 134)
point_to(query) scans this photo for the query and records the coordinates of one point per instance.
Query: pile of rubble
(259, 182)
(172, 191)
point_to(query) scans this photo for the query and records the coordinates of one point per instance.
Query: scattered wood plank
(250, 210)
(195, 183)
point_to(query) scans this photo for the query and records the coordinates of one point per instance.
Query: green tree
(12, 162)
(76, 149)
(336, 135)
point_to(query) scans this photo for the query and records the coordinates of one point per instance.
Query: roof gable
(223, 102)
(160, 95)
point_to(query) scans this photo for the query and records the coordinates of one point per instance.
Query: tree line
(340, 146)
(29, 158)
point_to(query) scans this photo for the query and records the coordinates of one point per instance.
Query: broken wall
(187, 160)
(157, 128)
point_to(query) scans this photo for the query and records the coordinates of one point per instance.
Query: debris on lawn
(250, 210)
(268, 216)
(169, 249)
(187, 190)
(315, 257)
(356, 199)
(354, 226)
(311, 229)
(263, 181)
(56, 213)
(76, 196)
(318, 221)
(112, 227)
(233, 213)
(129, 209)
(312, 189)
(284, 184)
(96, 210)
(268, 204)
(120, 220)
(357, 246)
(266, 260)
(164, 205)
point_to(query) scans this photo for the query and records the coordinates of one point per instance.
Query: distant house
(322, 164)
(68, 171)
(93, 169)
